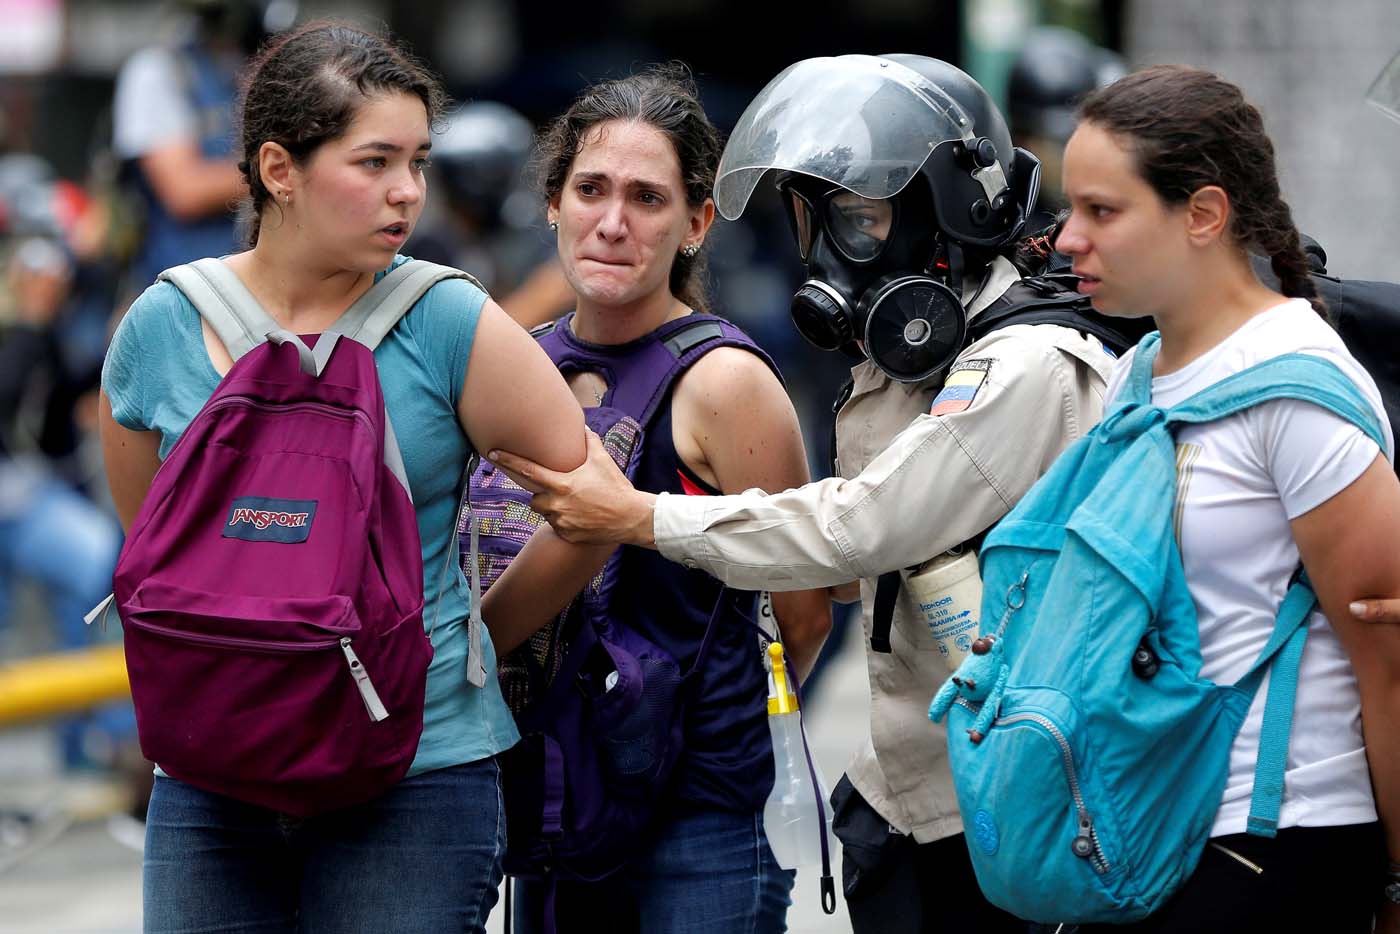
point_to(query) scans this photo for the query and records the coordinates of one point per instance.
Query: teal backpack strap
(1311, 379)
(1138, 387)
(224, 301)
(1290, 376)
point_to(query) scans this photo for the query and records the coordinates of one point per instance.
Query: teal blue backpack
(1089, 755)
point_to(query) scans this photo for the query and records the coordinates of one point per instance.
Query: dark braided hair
(306, 86)
(664, 97)
(1188, 128)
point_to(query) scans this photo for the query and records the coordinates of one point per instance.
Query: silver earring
(554, 226)
(689, 250)
(286, 198)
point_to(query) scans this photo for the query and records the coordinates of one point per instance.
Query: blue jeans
(67, 544)
(706, 872)
(61, 540)
(423, 858)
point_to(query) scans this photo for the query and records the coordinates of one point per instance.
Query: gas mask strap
(957, 266)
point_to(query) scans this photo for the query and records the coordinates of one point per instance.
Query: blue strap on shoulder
(1290, 376)
(1138, 387)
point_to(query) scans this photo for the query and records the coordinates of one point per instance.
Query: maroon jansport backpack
(271, 588)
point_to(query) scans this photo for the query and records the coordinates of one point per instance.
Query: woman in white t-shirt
(1171, 182)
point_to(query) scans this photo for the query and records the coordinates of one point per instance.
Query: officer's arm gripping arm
(942, 480)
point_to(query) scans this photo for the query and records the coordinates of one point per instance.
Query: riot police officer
(906, 196)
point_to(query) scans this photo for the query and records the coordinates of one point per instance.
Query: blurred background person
(52, 535)
(172, 130)
(489, 223)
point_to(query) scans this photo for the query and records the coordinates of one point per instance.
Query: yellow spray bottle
(792, 819)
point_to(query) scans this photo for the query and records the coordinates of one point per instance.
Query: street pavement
(68, 871)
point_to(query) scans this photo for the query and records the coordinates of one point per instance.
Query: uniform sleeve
(148, 108)
(125, 369)
(942, 480)
(453, 310)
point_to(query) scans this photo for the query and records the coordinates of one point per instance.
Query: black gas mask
(876, 275)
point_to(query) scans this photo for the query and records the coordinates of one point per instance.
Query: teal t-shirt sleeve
(123, 373)
(451, 310)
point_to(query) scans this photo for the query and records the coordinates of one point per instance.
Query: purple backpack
(599, 706)
(271, 587)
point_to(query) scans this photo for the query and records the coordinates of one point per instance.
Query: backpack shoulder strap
(643, 373)
(1281, 658)
(688, 339)
(1311, 379)
(1289, 376)
(1138, 385)
(224, 301)
(375, 313)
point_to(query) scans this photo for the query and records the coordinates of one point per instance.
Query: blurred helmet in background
(1055, 69)
(480, 158)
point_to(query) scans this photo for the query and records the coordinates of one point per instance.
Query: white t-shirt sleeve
(151, 108)
(1311, 452)
(1121, 368)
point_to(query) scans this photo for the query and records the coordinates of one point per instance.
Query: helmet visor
(1384, 93)
(861, 122)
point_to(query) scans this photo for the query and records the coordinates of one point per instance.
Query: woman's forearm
(804, 619)
(537, 586)
(1380, 724)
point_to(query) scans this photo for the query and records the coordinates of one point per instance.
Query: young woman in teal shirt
(336, 134)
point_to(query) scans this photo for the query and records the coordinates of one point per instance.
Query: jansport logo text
(262, 518)
(270, 519)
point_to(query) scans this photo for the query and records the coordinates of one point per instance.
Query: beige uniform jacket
(912, 485)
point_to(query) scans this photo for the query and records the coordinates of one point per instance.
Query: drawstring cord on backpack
(476, 662)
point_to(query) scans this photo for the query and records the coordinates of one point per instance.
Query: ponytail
(1286, 257)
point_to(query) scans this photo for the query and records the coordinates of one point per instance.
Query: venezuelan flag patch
(961, 386)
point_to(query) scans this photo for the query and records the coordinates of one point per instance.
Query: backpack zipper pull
(1083, 845)
(373, 704)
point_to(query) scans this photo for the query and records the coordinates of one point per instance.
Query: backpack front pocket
(259, 692)
(634, 717)
(1047, 856)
